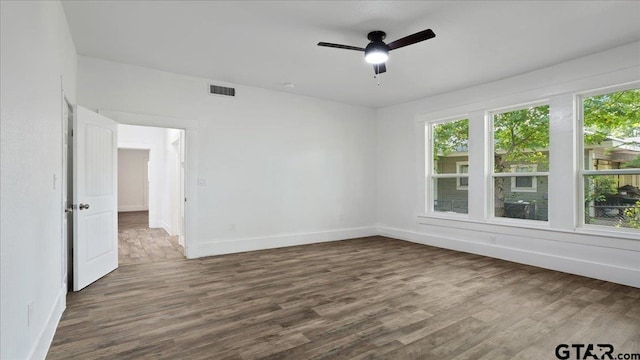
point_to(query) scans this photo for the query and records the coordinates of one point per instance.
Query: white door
(95, 240)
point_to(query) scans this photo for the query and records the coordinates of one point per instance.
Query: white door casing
(66, 206)
(95, 240)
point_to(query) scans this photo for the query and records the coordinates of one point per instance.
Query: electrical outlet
(202, 182)
(232, 227)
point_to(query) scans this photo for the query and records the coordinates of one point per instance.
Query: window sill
(602, 231)
(628, 240)
(522, 223)
(446, 215)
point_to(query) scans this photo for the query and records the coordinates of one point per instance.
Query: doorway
(90, 154)
(150, 189)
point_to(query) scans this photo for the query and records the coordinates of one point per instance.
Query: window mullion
(478, 166)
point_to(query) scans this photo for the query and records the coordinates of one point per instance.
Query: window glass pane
(448, 198)
(612, 131)
(521, 137)
(450, 147)
(612, 200)
(531, 204)
(520, 146)
(611, 141)
(524, 181)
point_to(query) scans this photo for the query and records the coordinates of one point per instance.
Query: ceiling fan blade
(347, 47)
(379, 68)
(411, 39)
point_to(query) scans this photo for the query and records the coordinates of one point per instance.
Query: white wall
(276, 169)
(153, 139)
(37, 59)
(400, 173)
(133, 180)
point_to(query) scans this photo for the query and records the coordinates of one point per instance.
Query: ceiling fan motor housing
(376, 51)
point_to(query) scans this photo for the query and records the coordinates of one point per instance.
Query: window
(521, 146)
(449, 166)
(524, 183)
(462, 167)
(595, 180)
(611, 159)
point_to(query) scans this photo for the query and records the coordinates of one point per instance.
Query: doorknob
(83, 206)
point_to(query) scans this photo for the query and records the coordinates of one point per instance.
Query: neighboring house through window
(462, 167)
(524, 183)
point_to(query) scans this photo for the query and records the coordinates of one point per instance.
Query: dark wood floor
(138, 243)
(370, 298)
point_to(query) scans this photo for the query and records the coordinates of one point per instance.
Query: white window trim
(462, 175)
(566, 184)
(534, 180)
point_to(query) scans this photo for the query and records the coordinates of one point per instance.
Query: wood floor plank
(138, 243)
(369, 298)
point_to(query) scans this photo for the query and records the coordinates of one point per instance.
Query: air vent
(221, 90)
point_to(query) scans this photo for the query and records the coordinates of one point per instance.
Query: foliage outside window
(611, 172)
(449, 177)
(521, 146)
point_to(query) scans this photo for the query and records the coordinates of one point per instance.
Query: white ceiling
(270, 43)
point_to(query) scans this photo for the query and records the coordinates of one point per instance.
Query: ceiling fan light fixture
(376, 53)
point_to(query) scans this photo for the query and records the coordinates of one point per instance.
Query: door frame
(189, 186)
(66, 219)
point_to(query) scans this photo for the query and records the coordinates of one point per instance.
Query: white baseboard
(558, 262)
(126, 208)
(277, 241)
(44, 339)
(601, 271)
(166, 227)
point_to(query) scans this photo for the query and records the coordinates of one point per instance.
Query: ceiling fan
(377, 52)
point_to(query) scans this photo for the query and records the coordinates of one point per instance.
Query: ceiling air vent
(221, 90)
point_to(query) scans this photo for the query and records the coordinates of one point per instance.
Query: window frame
(583, 173)
(565, 184)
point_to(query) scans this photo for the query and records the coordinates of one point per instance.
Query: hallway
(137, 243)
